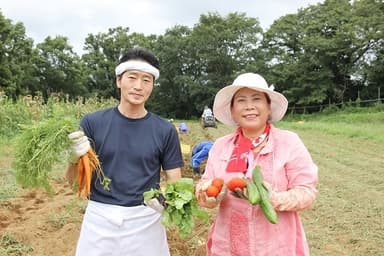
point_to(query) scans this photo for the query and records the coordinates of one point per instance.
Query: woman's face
(251, 109)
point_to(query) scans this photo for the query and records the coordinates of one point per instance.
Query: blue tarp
(200, 153)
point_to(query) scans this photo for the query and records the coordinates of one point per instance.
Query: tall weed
(28, 110)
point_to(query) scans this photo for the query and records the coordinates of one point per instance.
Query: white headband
(137, 65)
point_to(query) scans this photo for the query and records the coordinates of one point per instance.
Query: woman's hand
(295, 199)
(205, 197)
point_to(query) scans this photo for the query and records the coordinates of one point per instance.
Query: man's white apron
(121, 231)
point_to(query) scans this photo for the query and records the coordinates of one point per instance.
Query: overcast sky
(76, 19)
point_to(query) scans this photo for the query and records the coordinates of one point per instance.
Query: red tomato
(212, 191)
(218, 182)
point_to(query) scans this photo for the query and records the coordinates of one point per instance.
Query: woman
(287, 167)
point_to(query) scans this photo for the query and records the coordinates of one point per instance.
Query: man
(183, 128)
(206, 112)
(200, 154)
(133, 145)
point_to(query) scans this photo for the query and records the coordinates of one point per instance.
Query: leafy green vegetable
(153, 193)
(182, 207)
(38, 147)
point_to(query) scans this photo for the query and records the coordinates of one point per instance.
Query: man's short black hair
(139, 53)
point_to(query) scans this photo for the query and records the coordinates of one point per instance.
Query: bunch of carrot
(38, 148)
(43, 144)
(87, 165)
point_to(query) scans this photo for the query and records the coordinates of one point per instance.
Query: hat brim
(223, 98)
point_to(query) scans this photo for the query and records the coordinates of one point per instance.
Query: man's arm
(173, 174)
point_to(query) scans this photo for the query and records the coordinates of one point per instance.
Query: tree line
(328, 52)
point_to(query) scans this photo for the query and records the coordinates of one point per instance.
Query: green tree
(314, 54)
(225, 47)
(171, 95)
(102, 52)
(291, 70)
(369, 29)
(15, 55)
(58, 68)
(197, 62)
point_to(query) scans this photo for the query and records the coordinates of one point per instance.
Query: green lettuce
(181, 206)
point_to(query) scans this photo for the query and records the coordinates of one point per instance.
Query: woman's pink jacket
(240, 228)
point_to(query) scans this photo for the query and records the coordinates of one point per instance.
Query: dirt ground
(39, 224)
(42, 225)
(347, 218)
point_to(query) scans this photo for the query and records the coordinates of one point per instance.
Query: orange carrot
(87, 165)
(88, 174)
(80, 175)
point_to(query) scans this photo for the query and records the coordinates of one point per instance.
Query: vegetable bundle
(263, 198)
(37, 148)
(214, 189)
(255, 192)
(181, 205)
(43, 144)
(87, 165)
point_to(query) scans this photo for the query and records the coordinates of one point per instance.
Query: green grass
(9, 245)
(348, 216)
(348, 147)
(366, 126)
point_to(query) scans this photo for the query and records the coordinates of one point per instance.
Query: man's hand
(157, 203)
(80, 145)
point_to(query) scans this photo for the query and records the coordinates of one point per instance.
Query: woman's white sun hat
(223, 98)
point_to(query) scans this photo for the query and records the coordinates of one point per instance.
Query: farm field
(347, 219)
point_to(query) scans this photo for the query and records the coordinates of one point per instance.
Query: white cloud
(76, 19)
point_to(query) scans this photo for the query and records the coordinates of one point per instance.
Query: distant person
(134, 145)
(183, 128)
(240, 228)
(206, 112)
(207, 119)
(200, 154)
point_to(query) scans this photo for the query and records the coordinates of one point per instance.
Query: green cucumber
(265, 204)
(257, 176)
(253, 193)
(268, 211)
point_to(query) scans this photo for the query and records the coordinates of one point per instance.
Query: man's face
(136, 86)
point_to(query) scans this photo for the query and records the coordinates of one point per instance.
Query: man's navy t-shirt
(132, 153)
